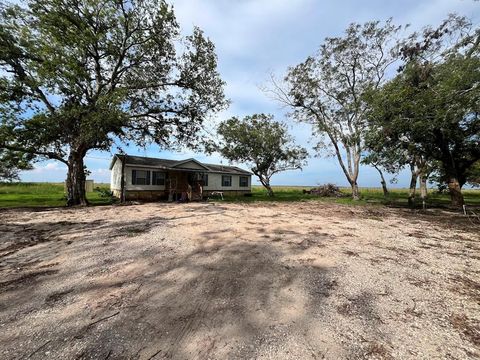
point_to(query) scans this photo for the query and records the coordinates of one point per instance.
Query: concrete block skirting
(157, 195)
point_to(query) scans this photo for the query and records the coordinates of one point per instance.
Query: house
(147, 178)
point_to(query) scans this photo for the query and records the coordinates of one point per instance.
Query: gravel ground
(301, 280)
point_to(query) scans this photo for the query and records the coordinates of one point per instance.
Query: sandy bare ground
(224, 281)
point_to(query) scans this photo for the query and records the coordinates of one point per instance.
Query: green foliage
(105, 194)
(262, 143)
(326, 90)
(77, 75)
(11, 162)
(473, 174)
(430, 109)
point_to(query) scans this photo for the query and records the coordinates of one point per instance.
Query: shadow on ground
(150, 299)
(212, 282)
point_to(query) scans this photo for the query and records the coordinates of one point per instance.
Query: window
(140, 177)
(158, 178)
(243, 181)
(226, 180)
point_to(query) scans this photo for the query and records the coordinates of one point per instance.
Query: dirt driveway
(224, 281)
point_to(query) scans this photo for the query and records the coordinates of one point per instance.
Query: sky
(256, 38)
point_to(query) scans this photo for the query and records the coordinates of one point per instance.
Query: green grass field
(397, 197)
(52, 194)
(42, 195)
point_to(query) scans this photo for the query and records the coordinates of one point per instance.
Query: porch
(179, 185)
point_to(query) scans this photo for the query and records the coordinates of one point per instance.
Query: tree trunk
(356, 169)
(413, 186)
(269, 189)
(265, 180)
(384, 187)
(423, 189)
(455, 189)
(452, 171)
(383, 182)
(350, 174)
(355, 191)
(76, 181)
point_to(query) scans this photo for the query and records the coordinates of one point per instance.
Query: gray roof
(171, 164)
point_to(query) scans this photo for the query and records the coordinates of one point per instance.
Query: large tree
(78, 75)
(388, 152)
(326, 90)
(261, 142)
(433, 104)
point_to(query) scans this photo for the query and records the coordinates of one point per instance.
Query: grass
(42, 195)
(396, 197)
(52, 194)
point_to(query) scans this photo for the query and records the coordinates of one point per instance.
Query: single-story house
(146, 178)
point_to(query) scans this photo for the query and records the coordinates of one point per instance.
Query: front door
(196, 184)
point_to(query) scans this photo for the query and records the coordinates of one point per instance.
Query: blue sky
(254, 38)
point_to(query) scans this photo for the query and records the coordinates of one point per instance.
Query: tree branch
(49, 154)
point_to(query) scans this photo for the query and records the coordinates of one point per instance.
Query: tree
(327, 90)
(433, 103)
(262, 143)
(391, 153)
(11, 163)
(473, 175)
(78, 75)
(380, 164)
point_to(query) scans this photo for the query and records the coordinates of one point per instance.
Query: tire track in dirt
(194, 320)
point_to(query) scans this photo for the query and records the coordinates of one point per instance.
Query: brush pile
(326, 190)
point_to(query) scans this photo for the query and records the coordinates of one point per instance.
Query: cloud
(101, 172)
(48, 168)
(48, 171)
(234, 25)
(256, 37)
(100, 175)
(433, 12)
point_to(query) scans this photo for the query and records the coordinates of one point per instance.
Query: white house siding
(116, 176)
(128, 179)
(214, 179)
(215, 183)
